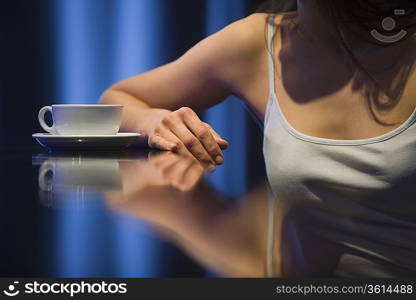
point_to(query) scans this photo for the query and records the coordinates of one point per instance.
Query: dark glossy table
(141, 213)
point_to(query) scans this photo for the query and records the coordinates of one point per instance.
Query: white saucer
(86, 142)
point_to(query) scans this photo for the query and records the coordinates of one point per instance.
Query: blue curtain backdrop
(102, 41)
(70, 51)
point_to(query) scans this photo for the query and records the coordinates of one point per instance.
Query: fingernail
(211, 167)
(219, 159)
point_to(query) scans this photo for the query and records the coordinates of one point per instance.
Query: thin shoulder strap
(270, 34)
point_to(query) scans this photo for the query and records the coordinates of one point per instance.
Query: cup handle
(41, 118)
(43, 183)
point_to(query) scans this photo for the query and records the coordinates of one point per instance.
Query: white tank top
(371, 181)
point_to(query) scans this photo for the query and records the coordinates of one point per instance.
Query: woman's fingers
(176, 123)
(223, 144)
(183, 132)
(180, 147)
(203, 133)
(170, 136)
(192, 143)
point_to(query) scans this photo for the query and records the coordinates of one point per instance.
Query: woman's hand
(182, 131)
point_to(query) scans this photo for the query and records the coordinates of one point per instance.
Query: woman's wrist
(149, 119)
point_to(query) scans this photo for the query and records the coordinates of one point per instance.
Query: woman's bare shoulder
(238, 48)
(239, 51)
(245, 37)
(246, 34)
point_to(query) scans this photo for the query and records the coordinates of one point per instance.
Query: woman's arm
(160, 103)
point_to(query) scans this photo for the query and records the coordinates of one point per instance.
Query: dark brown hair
(277, 6)
(354, 20)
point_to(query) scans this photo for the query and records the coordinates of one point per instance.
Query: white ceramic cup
(82, 119)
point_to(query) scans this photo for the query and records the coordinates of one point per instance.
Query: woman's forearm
(138, 116)
(181, 131)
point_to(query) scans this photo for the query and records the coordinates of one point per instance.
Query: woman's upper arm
(206, 74)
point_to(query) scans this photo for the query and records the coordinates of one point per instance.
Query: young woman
(323, 70)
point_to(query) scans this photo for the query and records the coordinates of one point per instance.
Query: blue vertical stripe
(136, 41)
(135, 251)
(138, 32)
(100, 42)
(84, 41)
(229, 118)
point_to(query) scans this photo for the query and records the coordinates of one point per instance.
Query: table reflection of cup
(77, 177)
(73, 173)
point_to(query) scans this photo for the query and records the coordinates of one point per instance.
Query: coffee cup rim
(87, 105)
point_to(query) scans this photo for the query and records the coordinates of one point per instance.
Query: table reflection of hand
(163, 170)
(229, 238)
